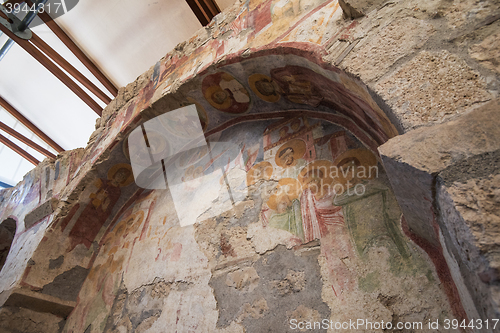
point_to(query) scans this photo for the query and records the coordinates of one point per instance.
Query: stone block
(431, 88)
(392, 42)
(459, 154)
(40, 212)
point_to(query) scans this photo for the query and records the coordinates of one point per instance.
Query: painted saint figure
(102, 202)
(225, 93)
(264, 87)
(290, 157)
(285, 208)
(318, 211)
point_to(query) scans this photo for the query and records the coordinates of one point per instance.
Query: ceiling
(123, 38)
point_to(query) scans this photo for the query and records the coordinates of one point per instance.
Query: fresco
(97, 211)
(288, 169)
(225, 93)
(102, 284)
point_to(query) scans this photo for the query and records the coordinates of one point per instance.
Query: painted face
(314, 180)
(267, 190)
(219, 96)
(283, 204)
(198, 172)
(121, 175)
(259, 172)
(287, 157)
(265, 87)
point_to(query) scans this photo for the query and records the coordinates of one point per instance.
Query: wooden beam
(52, 54)
(212, 6)
(47, 63)
(77, 51)
(18, 150)
(23, 120)
(205, 10)
(25, 140)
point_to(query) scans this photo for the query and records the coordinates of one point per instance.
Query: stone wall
(413, 77)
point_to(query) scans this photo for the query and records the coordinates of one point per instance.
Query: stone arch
(302, 79)
(358, 238)
(7, 233)
(299, 81)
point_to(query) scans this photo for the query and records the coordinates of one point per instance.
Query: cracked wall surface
(88, 239)
(247, 268)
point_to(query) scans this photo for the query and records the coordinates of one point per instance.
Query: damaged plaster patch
(244, 280)
(292, 283)
(13, 319)
(432, 87)
(303, 313)
(67, 285)
(224, 239)
(138, 310)
(56, 263)
(255, 310)
(287, 279)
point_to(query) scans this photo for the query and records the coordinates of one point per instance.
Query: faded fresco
(273, 169)
(280, 211)
(295, 193)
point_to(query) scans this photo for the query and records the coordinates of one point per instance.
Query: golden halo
(331, 178)
(208, 96)
(134, 221)
(298, 146)
(361, 157)
(157, 143)
(323, 166)
(262, 170)
(286, 187)
(125, 149)
(114, 169)
(254, 78)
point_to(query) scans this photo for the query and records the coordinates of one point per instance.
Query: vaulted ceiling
(54, 85)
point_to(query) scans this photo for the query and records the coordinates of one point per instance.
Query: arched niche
(7, 234)
(361, 244)
(278, 228)
(273, 84)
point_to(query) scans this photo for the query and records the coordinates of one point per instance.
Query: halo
(208, 96)
(362, 157)
(330, 177)
(321, 165)
(138, 152)
(125, 148)
(252, 79)
(262, 170)
(114, 169)
(202, 114)
(286, 187)
(134, 221)
(298, 146)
